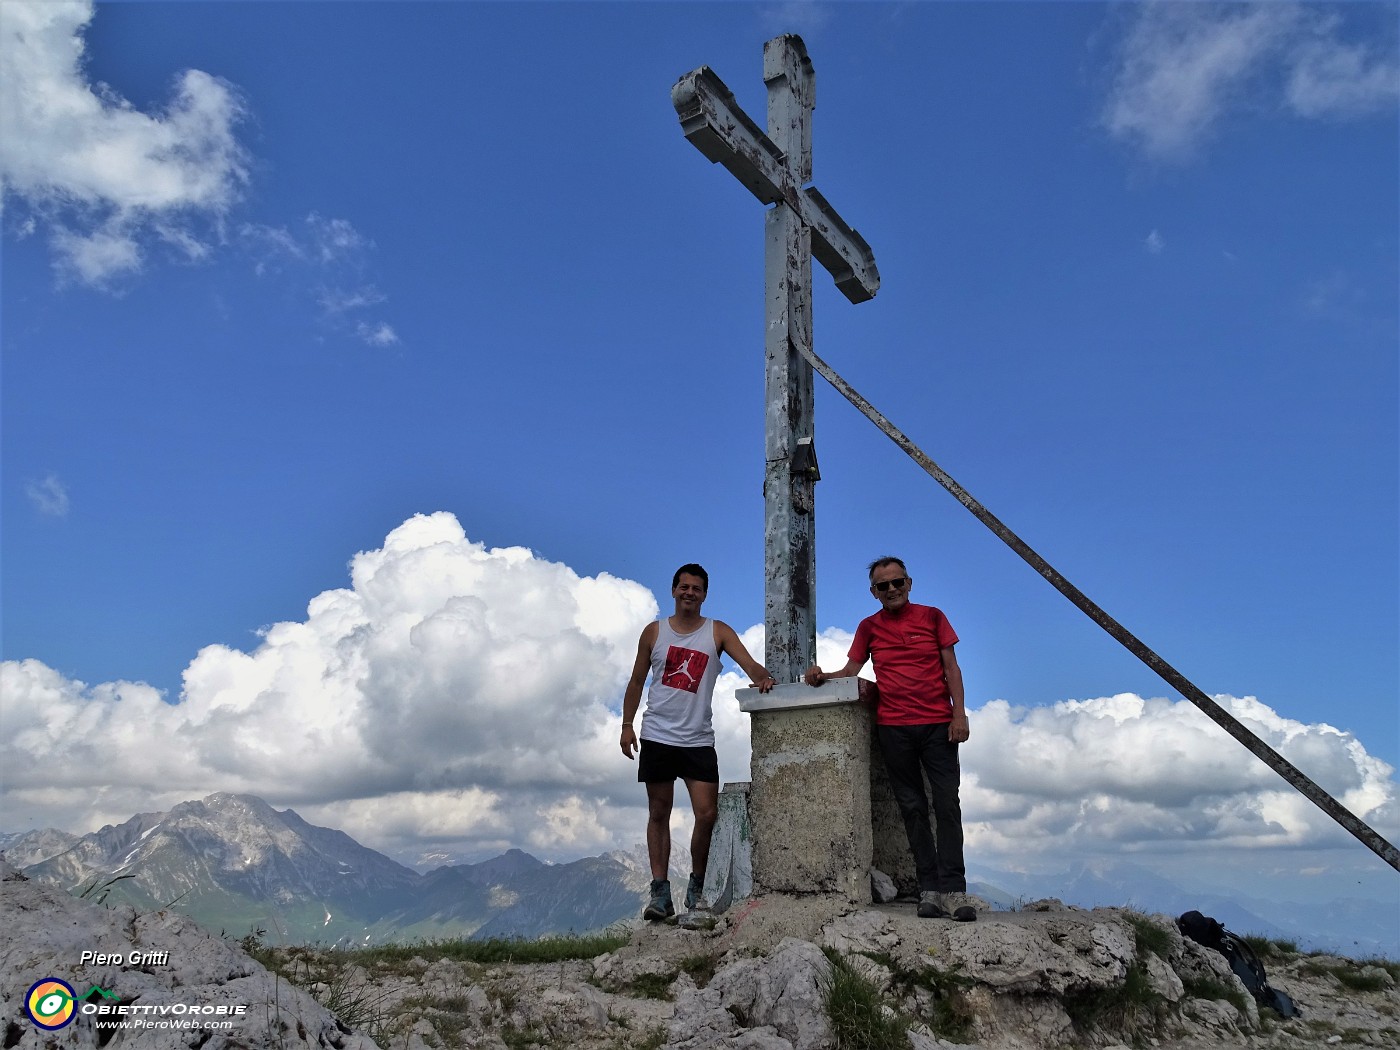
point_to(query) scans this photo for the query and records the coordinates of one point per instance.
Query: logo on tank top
(684, 668)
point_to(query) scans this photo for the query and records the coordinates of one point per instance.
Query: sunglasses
(897, 583)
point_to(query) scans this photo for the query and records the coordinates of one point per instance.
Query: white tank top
(683, 672)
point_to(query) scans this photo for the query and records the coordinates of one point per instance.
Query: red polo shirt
(907, 648)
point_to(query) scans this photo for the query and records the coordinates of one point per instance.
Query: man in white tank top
(682, 653)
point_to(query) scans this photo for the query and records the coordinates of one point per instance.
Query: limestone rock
(1049, 957)
(178, 976)
(759, 998)
(882, 887)
(1199, 963)
(1163, 979)
(862, 931)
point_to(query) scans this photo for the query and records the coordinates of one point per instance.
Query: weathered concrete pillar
(730, 874)
(809, 804)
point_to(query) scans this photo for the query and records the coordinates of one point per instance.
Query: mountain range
(235, 864)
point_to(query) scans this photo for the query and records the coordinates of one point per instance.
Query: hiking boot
(931, 905)
(659, 907)
(694, 896)
(962, 906)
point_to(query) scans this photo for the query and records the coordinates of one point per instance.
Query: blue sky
(278, 277)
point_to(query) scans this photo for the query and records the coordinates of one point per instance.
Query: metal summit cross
(776, 168)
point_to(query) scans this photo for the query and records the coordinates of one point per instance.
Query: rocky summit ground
(773, 973)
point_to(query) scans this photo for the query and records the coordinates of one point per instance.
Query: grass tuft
(1124, 1009)
(1148, 936)
(857, 1011)
(1210, 988)
(1270, 948)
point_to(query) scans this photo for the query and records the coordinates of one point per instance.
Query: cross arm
(713, 122)
(840, 249)
(715, 125)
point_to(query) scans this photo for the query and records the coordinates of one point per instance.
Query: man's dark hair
(691, 570)
(878, 563)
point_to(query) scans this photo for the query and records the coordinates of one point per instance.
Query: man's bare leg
(660, 798)
(704, 802)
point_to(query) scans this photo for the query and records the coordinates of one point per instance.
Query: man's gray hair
(880, 563)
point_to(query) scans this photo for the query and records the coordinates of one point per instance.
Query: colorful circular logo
(50, 1003)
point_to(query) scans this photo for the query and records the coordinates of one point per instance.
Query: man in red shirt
(919, 722)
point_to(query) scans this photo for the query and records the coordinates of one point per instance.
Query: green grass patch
(856, 1011)
(1148, 936)
(494, 950)
(951, 1016)
(1363, 982)
(1270, 948)
(649, 986)
(700, 967)
(395, 958)
(1392, 968)
(524, 1038)
(1125, 1009)
(1354, 975)
(1210, 988)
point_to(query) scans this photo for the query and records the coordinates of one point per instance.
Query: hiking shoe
(694, 897)
(931, 905)
(659, 907)
(962, 906)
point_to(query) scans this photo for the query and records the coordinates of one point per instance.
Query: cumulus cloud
(481, 683)
(1181, 68)
(106, 180)
(462, 700)
(50, 496)
(1124, 773)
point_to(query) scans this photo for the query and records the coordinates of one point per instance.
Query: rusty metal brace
(1126, 638)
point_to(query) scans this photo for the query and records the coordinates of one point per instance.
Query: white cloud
(1124, 773)
(379, 334)
(465, 699)
(1155, 243)
(105, 179)
(1183, 67)
(326, 261)
(49, 496)
(335, 239)
(1329, 78)
(487, 680)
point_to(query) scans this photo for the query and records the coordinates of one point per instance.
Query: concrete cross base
(809, 804)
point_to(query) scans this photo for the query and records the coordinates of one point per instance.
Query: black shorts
(658, 763)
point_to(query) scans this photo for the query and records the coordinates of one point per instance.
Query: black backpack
(1206, 931)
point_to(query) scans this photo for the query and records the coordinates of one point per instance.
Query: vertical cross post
(789, 491)
(776, 168)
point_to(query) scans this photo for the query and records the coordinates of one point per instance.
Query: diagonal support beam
(1363, 832)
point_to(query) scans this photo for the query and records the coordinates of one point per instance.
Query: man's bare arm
(958, 729)
(816, 676)
(728, 642)
(632, 698)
